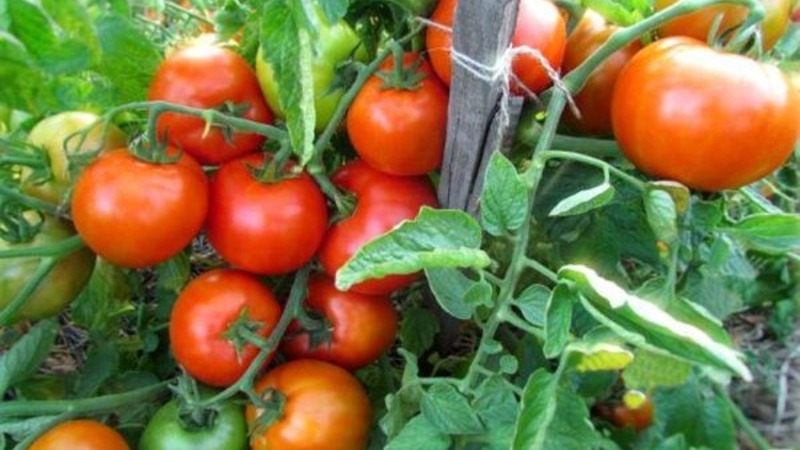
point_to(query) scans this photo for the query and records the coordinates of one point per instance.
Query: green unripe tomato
(60, 287)
(227, 430)
(53, 135)
(334, 44)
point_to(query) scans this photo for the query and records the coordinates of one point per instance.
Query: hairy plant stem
(85, 406)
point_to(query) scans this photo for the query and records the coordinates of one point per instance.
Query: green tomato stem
(85, 406)
(46, 265)
(541, 268)
(31, 202)
(748, 428)
(59, 249)
(591, 161)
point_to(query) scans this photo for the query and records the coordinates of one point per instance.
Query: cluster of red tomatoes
(679, 109)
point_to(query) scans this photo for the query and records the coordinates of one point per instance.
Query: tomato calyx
(18, 223)
(158, 152)
(270, 404)
(196, 419)
(402, 75)
(228, 108)
(275, 168)
(244, 331)
(316, 326)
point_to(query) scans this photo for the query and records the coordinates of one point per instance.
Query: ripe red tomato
(594, 100)
(138, 214)
(698, 24)
(326, 407)
(540, 26)
(361, 327)
(208, 76)
(396, 130)
(621, 415)
(708, 119)
(265, 228)
(80, 435)
(204, 311)
(383, 202)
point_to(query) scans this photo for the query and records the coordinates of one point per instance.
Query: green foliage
(24, 357)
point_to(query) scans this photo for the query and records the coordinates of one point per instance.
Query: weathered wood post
(482, 32)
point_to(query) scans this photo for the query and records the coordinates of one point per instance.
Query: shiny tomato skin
(80, 435)
(326, 408)
(539, 26)
(398, 131)
(60, 287)
(205, 309)
(594, 99)
(265, 228)
(56, 136)
(383, 202)
(698, 24)
(363, 326)
(707, 119)
(138, 214)
(208, 76)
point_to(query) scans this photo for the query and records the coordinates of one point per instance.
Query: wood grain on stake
(482, 32)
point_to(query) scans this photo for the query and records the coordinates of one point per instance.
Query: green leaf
(173, 275)
(479, 294)
(129, 59)
(33, 28)
(662, 215)
(449, 286)
(552, 417)
(613, 11)
(26, 354)
(694, 314)
(21, 82)
(676, 442)
(508, 364)
(74, 19)
(286, 47)
(558, 316)
(102, 363)
(19, 429)
(419, 433)
(449, 411)
(101, 305)
(643, 324)
(495, 403)
(437, 238)
(334, 10)
(705, 422)
(532, 302)
(584, 201)
(504, 199)
(768, 233)
(418, 329)
(650, 370)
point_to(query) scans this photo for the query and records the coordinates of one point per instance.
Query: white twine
(502, 72)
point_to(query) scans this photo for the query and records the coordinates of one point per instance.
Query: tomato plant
(335, 44)
(60, 287)
(634, 413)
(59, 137)
(539, 26)
(354, 330)
(594, 99)
(325, 407)
(398, 122)
(383, 201)
(285, 219)
(80, 434)
(159, 208)
(680, 88)
(208, 76)
(200, 330)
(173, 429)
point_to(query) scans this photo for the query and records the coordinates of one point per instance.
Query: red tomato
(265, 228)
(361, 327)
(203, 313)
(326, 408)
(207, 76)
(621, 415)
(540, 26)
(708, 119)
(80, 435)
(594, 100)
(698, 24)
(383, 202)
(138, 214)
(400, 131)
